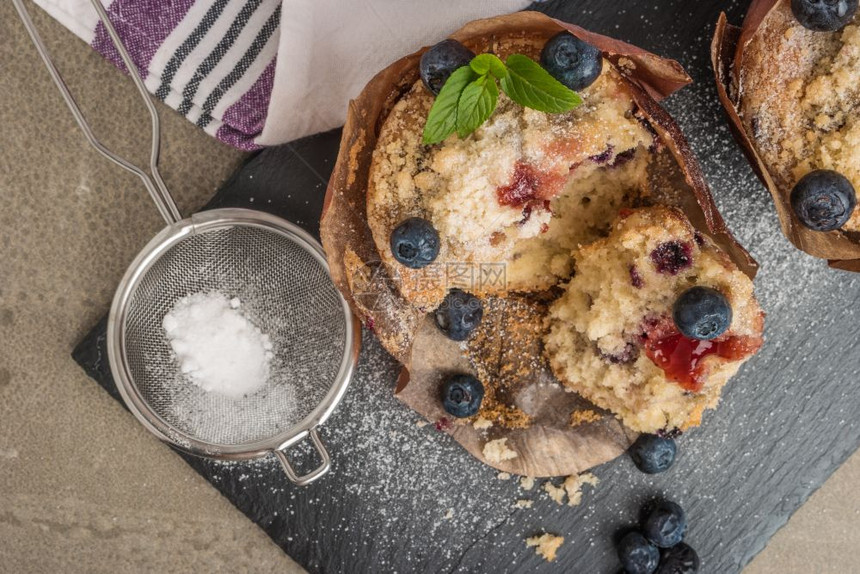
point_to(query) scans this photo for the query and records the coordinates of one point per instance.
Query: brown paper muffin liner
(550, 446)
(727, 49)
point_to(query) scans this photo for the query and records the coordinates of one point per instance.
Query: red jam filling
(682, 358)
(528, 185)
(530, 208)
(529, 190)
(523, 187)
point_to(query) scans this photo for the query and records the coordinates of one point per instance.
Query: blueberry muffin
(654, 322)
(788, 82)
(804, 112)
(452, 247)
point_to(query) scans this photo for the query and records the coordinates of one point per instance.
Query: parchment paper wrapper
(550, 446)
(727, 49)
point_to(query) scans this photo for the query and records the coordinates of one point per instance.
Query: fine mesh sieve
(279, 274)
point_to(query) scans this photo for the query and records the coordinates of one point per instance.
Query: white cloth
(329, 49)
(264, 72)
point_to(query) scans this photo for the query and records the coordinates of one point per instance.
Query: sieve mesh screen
(285, 291)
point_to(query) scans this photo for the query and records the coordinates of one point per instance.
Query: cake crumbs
(505, 352)
(497, 451)
(571, 487)
(583, 417)
(449, 515)
(556, 493)
(546, 545)
(422, 423)
(527, 482)
(523, 503)
(482, 424)
(504, 476)
(626, 64)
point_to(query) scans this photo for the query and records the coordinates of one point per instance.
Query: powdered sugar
(216, 346)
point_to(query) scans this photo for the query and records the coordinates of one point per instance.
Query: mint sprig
(531, 86)
(477, 102)
(471, 93)
(442, 120)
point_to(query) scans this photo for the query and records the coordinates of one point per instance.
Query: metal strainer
(280, 275)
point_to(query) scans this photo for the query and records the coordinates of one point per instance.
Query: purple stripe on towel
(243, 121)
(143, 26)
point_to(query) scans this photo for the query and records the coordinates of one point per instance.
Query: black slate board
(402, 498)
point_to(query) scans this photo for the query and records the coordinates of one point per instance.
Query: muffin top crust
(799, 95)
(515, 196)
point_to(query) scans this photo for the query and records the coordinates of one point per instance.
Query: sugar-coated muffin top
(800, 99)
(517, 193)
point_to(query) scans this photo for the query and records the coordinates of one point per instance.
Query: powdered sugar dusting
(216, 346)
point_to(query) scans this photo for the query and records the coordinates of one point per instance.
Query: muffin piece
(799, 99)
(512, 199)
(611, 335)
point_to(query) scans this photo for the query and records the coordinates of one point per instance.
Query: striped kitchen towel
(263, 72)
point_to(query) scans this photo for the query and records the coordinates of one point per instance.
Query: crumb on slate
(504, 476)
(523, 503)
(571, 487)
(546, 545)
(527, 482)
(556, 493)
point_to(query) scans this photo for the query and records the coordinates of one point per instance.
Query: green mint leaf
(476, 104)
(529, 85)
(442, 119)
(485, 64)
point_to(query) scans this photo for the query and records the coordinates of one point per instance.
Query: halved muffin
(612, 337)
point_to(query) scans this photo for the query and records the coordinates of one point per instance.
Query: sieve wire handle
(154, 183)
(314, 474)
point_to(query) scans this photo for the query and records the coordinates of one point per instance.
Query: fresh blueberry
(440, 61)
(824, 15)
(823, 200)
(665, 525)
(702, 313)
(679, 559)
(459, 314)
(653, 454)
(574, 63)
(462, 396)
(415, 243)
(637, 555)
